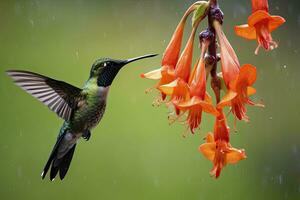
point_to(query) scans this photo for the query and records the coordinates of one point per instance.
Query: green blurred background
(134, 153)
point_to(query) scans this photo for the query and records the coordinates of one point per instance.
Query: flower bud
(217, 14)
(200, 11)
(206, 35)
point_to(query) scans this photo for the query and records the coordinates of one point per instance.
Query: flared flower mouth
(239, 91)
(177, 89)
(196, 102)
(220, 153)
(259, 16)
(249, 31)
(260, 26)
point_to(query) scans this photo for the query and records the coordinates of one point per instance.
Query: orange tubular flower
(260, 25)
(198, 100)
(240, 90)
(218, 149)
(238, 80)
(166, 73)
(220, 153)
(229, 60)
(178, 89)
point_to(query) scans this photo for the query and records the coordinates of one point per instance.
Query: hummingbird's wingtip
(8, 72)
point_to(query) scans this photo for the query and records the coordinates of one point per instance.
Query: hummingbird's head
(106, 69)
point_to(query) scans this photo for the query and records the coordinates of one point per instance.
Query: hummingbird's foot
(86, 135)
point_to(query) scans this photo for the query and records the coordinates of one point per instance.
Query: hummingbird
(81, 109)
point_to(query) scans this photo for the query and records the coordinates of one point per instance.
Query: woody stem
(212, 52)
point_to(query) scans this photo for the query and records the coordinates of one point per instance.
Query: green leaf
(223, 85)
(200, 11)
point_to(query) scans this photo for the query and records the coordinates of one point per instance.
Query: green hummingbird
(81, 109)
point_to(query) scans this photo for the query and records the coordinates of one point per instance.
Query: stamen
(185, 132)
(273, 44)
(173, 117)
(157, 101)
(257, 49)
(148, 90)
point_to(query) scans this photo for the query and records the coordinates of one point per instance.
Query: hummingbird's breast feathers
(90, 109)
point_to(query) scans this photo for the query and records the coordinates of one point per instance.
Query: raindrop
(31, 22)
(77, 54)
(295, 149)
(19, 172)
(280, 179)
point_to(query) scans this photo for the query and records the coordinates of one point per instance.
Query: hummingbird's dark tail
(58, 164)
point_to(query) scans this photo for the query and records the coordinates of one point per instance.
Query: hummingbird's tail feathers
(65, 163)
(54, 169)
(62, 164)
(52, 155)
(59, 161)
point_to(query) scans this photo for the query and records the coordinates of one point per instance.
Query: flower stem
(212, 52)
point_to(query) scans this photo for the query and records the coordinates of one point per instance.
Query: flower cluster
(186, 87)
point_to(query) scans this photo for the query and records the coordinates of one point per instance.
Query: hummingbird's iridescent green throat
(81, 109)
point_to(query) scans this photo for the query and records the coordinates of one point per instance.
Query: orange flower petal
(235, 155)
(154, 75)
(229, 60)
(226, 100)
(257, 17)
(208, 150)
(208, 98)
(245, 31)
(183, 67)
(275, 22)
(247, 76)
(181, 91)
(209, 138)
(251, 91)
(196, 101)
(194, 71)
(168, 89)
(187, 104)
(209, 108)
(260, 5)
(171, 54)
(198, 84)
(167, 76)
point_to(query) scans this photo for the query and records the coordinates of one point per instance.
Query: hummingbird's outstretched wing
(59, 96)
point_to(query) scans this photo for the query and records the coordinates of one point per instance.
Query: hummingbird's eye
(105, 64)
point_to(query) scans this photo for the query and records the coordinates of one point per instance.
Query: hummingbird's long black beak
(125, 62)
